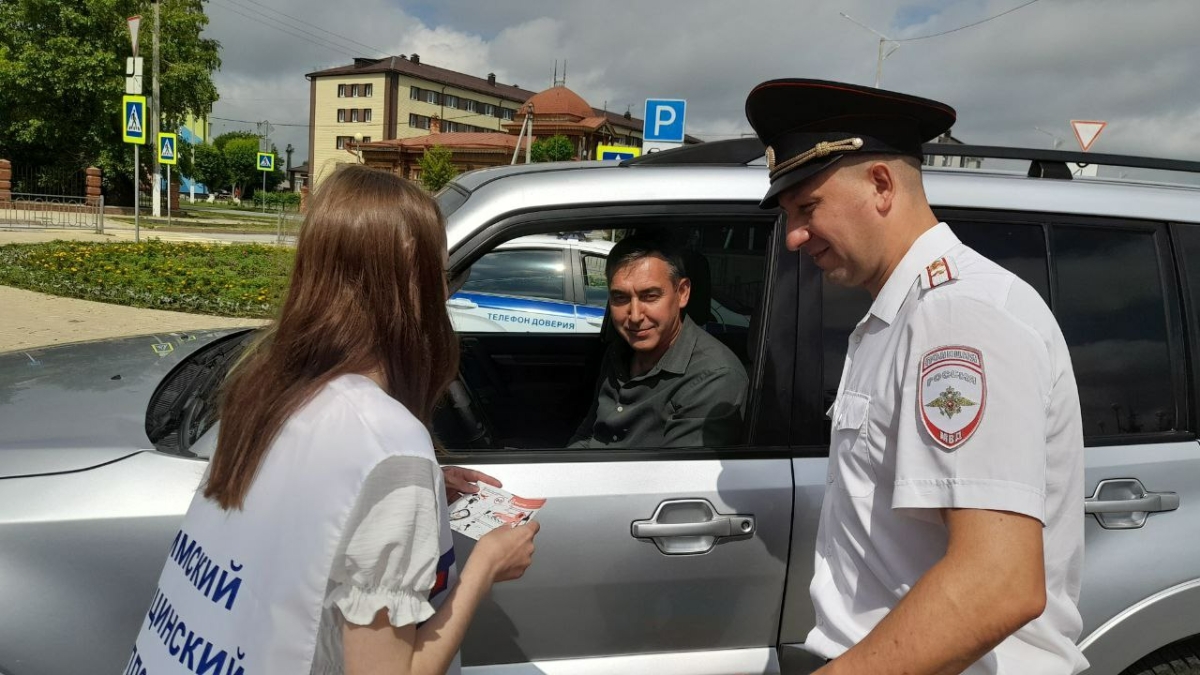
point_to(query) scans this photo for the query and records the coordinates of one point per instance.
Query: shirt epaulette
(938, 272)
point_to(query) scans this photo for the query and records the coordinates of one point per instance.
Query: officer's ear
(684, 289)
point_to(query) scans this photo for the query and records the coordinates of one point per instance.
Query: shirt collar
(678, 355)
(931, 245)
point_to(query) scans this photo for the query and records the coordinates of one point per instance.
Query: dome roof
(558, 100)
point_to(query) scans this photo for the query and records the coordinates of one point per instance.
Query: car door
(650, 559)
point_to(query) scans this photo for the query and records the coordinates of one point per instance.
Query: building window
(367, 115)
(341, 91)
(341, 114)
(509, 113)
(472, 105)
(414, 93)
(489, 110)
(366, 139)
(431, 97)
(342, 141)
(451, 101)
(418, 121)
(368, 90)
(354, 114)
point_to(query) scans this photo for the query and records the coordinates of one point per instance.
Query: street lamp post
(358, 146)
(883, 41)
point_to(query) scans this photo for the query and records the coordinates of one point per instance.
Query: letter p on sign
(664, 120)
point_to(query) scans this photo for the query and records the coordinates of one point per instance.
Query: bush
(287, 201)
(221, 279)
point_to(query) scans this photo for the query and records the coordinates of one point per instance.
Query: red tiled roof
(458, 140)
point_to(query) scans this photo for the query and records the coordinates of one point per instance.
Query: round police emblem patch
(952, 394)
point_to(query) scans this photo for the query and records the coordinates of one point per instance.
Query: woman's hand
(506, 552)
(460, 481)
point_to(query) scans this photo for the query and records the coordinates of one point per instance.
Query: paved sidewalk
(29, 320)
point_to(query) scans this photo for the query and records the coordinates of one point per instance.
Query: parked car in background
(651, 560)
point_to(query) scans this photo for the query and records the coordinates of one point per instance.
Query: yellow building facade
(395, 98)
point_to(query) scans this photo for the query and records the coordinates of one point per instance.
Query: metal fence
(52, 212)
(39, 180)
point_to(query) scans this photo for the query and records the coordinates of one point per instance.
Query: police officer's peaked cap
(808, 125)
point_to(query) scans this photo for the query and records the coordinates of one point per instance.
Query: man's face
(645, 305)
(829, 218)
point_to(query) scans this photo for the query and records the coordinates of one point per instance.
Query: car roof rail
(1053, 163)
(735, 152)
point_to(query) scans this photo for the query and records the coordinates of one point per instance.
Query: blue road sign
(134, 119)
(664, 120)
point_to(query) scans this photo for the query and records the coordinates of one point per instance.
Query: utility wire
(323, 30)
(970, 25)
(330, 46)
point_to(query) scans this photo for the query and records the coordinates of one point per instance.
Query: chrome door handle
(721, 526)
(1123, 503)
(691, 526)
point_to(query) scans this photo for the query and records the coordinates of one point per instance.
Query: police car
(550, 284)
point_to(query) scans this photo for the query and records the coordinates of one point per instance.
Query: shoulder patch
(939, 272)
(952, 393)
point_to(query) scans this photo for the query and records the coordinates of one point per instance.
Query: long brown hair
(367, 292)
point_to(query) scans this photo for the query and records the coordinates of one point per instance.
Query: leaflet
(476, 515)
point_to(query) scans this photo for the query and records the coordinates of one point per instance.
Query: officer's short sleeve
(975, 388)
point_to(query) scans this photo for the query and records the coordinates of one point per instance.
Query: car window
(595, 285)
(519, 273)
(1110, 304)
(528, 387)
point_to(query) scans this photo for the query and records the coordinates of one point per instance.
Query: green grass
(244, 280)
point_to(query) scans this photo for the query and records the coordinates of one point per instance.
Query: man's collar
(931, 245)
(678, 355)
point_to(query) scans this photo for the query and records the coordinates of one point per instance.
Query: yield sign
(134, 23)
(1086, 132)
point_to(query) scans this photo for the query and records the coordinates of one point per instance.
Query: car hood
(73, 407)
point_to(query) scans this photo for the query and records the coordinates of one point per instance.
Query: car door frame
(772, 349)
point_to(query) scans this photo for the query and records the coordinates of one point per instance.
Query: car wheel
(1180, 658)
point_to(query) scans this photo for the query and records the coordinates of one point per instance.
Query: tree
(437, 168)
(553, 149)
(238, 164)
(209, 167)
(62, 76)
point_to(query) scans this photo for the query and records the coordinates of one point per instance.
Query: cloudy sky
(1132, 63)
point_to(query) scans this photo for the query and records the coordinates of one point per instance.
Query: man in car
(951, 535)
(667, 383)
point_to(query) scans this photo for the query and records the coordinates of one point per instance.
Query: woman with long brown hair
(320, 540)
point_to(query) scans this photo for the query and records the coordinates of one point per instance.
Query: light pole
(358, 146)
(883, 40)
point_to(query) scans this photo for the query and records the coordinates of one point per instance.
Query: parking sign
(664, 120)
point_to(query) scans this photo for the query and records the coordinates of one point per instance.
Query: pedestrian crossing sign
(266, 161)
(133, 119)
(166, 149)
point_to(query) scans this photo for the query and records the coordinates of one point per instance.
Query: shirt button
(856, 339)
(620, 409)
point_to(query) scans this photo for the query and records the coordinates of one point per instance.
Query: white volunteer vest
(242, 591)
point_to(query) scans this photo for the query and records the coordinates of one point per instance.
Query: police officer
(951, 534)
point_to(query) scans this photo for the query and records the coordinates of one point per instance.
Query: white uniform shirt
(347, 511)
(957, 392)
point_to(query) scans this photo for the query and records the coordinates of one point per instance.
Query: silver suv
(654, 560)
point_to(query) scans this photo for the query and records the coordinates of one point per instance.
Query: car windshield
(450, 198)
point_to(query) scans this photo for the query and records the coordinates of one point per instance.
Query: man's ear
(884, 185)
(685, 291)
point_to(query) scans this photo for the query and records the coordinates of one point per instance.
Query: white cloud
(1132, 64)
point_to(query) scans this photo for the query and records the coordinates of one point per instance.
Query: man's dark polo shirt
(693, 397)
